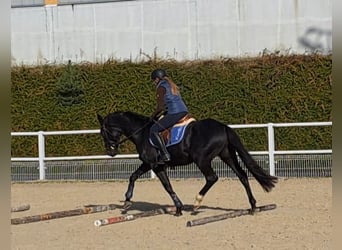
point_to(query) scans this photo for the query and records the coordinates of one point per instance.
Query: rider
(170, 104)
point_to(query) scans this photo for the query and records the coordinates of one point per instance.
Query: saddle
(175, 134)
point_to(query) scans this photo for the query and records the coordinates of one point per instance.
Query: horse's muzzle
(112, 151)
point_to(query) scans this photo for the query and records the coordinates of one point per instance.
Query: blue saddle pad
(176, 135)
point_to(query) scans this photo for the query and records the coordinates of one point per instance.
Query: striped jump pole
(128, 217)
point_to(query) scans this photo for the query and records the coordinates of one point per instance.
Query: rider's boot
(164, 154)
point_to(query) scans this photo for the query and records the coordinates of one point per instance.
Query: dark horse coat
(203, 141)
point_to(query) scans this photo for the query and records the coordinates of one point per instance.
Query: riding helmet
(160, 73)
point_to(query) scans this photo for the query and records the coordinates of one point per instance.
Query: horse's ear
(100, 119)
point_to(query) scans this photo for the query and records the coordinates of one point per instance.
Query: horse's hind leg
(143, 168)
(232, 161)
(164, 179)
(210, 179)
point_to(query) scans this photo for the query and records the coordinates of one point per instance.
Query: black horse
(203, 141)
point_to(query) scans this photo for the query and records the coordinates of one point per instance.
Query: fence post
(271, 147)
(41, 154)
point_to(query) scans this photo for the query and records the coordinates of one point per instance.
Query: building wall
(169, 29)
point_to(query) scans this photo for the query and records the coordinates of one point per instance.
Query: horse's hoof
(198, 201)
(178, 212)
(252, 211)
(127, 205)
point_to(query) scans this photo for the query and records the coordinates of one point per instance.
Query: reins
(135, 132)
(128, 137)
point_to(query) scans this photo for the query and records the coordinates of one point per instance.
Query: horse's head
(110, 134)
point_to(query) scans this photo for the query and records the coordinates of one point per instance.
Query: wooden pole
(67, 213)
(20, 208)
(128, 217)
(224, 216)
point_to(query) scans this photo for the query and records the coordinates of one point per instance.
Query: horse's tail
(265, 180)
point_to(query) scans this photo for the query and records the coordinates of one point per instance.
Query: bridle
(116, 145)
(106, 135)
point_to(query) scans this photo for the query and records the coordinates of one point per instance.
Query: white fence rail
(42, 158)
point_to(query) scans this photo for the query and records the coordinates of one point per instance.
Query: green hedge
(265, 89)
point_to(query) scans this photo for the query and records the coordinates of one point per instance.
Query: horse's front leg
(143, 168)
(161, 173)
